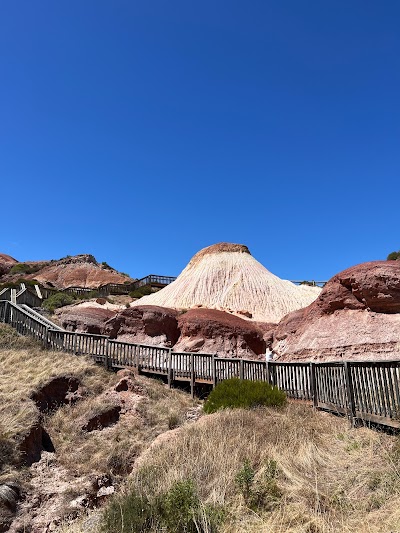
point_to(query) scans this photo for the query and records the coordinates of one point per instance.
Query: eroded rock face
(356, 316)
(104, 419)
(56, 392)
(32, 443)
(145, 324)
(84, 319)
(213, 331)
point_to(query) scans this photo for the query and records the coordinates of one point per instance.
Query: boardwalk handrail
(366, 390)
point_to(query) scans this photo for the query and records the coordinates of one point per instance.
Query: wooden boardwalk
(367, 391)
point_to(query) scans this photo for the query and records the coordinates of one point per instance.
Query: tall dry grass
(330, 478)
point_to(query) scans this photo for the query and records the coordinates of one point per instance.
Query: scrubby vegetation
(61, 299)
(393, 256)
(235, 393)
(141, 291)
(178, 509)
(25, 268)
(17, 284)
(57, 300)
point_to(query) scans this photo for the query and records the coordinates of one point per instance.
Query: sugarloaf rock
(226, 277)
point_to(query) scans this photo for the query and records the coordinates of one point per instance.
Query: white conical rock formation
(225, 276)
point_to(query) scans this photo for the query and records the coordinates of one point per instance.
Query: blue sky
(141, 132)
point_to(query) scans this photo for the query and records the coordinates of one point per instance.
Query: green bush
(88, 295)
(23, 268)
(177, 510)
(59, 299)
(260, 492)
(234, 393)
(141, 291)
(393, 256)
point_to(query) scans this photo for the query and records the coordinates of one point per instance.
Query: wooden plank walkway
(367, 391)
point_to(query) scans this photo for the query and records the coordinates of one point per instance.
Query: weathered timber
(364, 390)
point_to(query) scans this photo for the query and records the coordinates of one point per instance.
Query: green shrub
(87, 295)
(141, 291)
(245, 479)
(234, 393)
(260, 492)
(130, 513)
(180, 506)
(59, 299)
(393, 256)
(23, 268)
(177, 510)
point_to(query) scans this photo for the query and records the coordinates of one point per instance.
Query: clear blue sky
(141, 132)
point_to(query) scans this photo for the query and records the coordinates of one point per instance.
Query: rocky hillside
(77, 271)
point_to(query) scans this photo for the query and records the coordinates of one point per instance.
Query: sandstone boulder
(356, 316)
(145, 324)
(84, 319)
(213, 331)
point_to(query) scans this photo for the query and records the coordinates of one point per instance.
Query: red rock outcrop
(78, 271)
(6, 263)
(213, 331)
(356, 316)
(84, 319)
(145, 324)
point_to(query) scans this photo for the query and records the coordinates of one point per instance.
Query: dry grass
(115, 449)
(25, 367)
(331, 478)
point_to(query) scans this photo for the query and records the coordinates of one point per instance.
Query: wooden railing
(368, 391)
(153, 279)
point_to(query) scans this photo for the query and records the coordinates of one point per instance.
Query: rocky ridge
(72, 271)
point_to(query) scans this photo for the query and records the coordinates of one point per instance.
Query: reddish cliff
(356, 316)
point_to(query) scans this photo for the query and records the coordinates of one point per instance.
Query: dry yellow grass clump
(225, 276)
(312, 473)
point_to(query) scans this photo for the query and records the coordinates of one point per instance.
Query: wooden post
(46, 338)
(241, 369)
(214, 371)
(267, 372)
(170, 376)
(192, 375)
(273, 375)
(74, 345)
(350, 394)
(313, 386)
